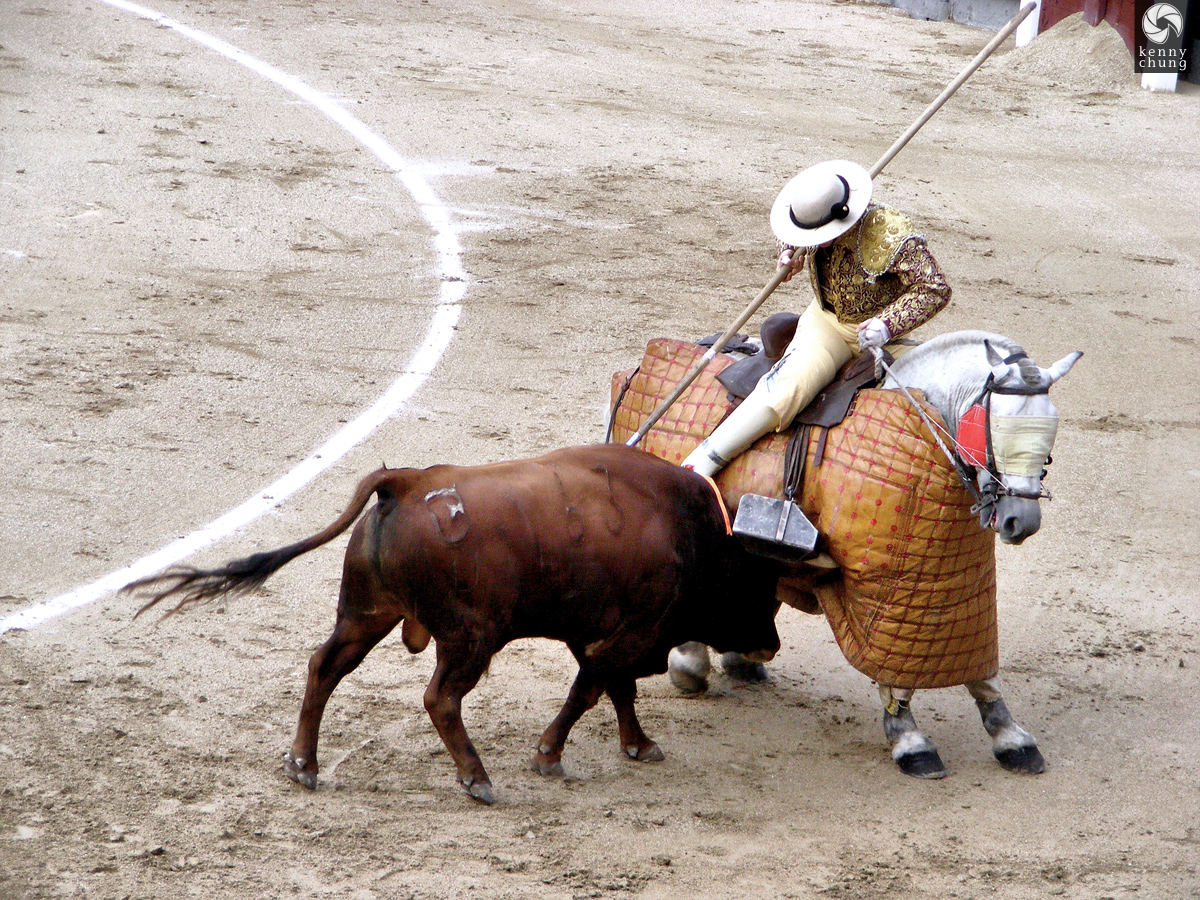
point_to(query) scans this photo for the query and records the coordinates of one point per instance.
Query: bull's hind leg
(623, 693)
(351, 641)
(1013, 746)
(912, 751)
(585, 692)
(458, 671)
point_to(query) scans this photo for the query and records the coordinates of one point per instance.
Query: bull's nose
(761, 655)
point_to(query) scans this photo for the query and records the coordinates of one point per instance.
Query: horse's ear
(1063, 366)
(994, 359)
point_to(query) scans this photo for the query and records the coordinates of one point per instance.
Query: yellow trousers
(821, 346)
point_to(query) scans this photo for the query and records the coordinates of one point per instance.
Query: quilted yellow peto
(914, 604)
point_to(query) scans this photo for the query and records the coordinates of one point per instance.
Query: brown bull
(616, 553)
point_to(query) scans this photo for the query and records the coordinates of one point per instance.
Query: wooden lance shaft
(778, 277)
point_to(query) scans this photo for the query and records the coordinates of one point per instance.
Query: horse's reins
(996, 488)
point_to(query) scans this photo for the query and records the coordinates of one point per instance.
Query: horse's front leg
(1013, 746)
(914, 753)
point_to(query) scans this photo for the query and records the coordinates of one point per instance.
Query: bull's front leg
(1013, 746)
(453, 678)
(743, 668)
(912, 751)
(635, 743)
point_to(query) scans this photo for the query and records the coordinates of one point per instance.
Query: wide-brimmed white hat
(821, 203)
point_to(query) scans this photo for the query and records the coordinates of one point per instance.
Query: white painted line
(441, 330)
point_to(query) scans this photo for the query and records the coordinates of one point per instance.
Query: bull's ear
(1063, 366)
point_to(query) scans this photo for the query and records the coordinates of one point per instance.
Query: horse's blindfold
(1006, 445)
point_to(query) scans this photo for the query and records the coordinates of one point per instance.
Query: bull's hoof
(743, 668)
(1022, 760)
(688, 671)
(650, 753)
(479, 790)
(922, 764)
(545, 766)
(295, 770)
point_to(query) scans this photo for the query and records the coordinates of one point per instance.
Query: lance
(778, 277)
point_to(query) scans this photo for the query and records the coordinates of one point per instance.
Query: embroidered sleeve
(925, 291)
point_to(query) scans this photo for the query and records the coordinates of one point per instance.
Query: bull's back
(566, 545)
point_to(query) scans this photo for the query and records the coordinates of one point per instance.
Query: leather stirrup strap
(819, 456)
(794, 458)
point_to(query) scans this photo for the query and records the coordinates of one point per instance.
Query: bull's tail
(189, 585)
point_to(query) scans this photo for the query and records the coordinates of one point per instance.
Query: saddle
(777, 331)
(829, 407)
(776, 527)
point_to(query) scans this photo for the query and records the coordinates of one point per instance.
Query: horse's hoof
(650, 753)
(922, 764)
(688, 674)
(547, 767)
(1022, 760)
(743, 668)
(294, 769)
(479, 790)
(688, 683)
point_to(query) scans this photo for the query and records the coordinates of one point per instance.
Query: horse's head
(1007, 434)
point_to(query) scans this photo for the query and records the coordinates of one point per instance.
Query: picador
(874, 280)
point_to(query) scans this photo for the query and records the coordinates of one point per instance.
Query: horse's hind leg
(351, 641)
(688, 665)
(914, 753)
(1013, 746)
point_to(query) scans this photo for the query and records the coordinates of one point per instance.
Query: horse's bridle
(973, 459)
(986, 497)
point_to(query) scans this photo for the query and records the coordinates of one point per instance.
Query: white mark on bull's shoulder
(454, 505)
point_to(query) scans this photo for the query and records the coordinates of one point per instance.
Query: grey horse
(960, 374)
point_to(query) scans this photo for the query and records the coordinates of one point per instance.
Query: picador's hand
(791, 259)
(872, 333)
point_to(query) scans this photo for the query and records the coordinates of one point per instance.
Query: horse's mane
(947, 343)
(925, 366)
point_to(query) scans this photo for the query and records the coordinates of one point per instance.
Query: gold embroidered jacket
(880, 267)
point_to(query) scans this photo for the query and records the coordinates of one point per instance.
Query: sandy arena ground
(202, 277)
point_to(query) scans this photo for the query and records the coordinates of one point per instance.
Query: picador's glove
(790, 258)
(872, 333)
